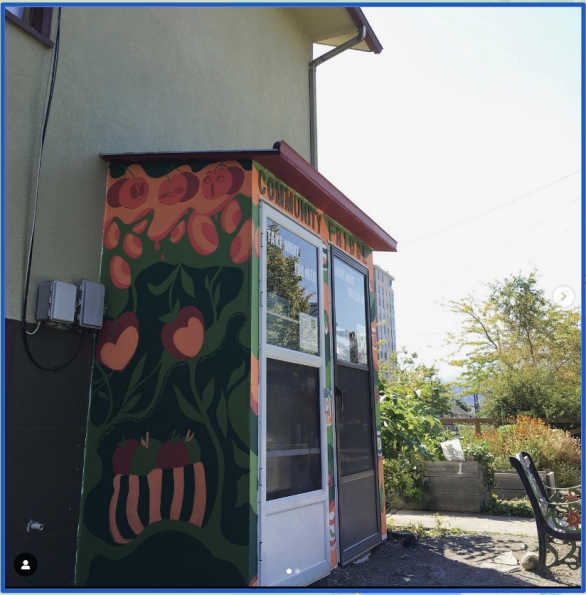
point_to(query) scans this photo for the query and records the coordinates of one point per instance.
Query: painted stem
(155, 481)
(177, 502)
(199, 497)
(132, 504)
(112, 516)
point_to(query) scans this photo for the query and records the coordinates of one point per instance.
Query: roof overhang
(293, 170)
(334, 25)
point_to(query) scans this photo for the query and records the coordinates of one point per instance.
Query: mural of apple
(202, 234)
(231, 216)
(132, 245)
(145, 456)
(123, 456)
(111, 235)
(130, 193)
(183, 338)
(120, 272)
(180, 188)
(117, 342)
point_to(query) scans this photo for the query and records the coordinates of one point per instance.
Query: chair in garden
(557, 518)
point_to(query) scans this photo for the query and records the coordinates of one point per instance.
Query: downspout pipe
(313, 86)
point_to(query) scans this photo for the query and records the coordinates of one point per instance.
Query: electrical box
(91, 304)
(56, 302)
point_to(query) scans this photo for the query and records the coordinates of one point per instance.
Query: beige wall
(136, 79)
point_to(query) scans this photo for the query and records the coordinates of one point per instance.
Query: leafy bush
(410, 435)
(550, 448)
(497, 507)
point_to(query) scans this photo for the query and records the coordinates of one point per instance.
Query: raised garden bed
(508, 484)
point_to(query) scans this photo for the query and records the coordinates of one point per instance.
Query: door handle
(340, 393)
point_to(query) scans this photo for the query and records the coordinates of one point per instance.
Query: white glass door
(294, 537)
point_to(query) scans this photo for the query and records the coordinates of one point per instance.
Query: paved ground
(467, 522)
(457, 561)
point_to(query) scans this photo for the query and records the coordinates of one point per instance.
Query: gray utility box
(57, 302)
(91, 304)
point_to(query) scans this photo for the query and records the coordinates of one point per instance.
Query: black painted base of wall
(45, 428)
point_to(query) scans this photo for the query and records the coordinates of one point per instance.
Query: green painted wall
(137, 79)
(169, 492)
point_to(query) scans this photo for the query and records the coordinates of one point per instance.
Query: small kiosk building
(234, 429)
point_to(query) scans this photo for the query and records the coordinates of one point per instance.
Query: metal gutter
(313, 87)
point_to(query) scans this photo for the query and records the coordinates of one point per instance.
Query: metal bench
(558, 517)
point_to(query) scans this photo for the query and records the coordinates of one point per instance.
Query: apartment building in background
(385, 313)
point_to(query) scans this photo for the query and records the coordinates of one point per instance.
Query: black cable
(48, 102)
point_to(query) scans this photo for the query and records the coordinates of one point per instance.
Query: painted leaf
(137, 372)
(132, 402)
(162, 288)
(236, 376)
(240, 457)
(173, 314)
(187, 283)
(222, 416)
(242, 490)
(103, 396)
(208, 395)
(188, 409)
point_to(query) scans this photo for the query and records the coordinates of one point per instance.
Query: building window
(34, 20)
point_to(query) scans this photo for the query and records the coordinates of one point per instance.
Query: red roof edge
(359, 19)
(292, 169)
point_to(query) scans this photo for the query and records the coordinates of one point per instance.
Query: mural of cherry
(130, 193)
(120, 272)
(180, 188)
(202, 234)
(231, 216)
(178, 232)
(132, 245)
(184, 337)
(241, 247)
(111, 235)
(117, 342)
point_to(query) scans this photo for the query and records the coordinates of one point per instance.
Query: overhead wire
(506, 204)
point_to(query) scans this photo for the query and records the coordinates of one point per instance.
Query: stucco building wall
(136, 79)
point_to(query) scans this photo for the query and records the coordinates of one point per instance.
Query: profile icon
(25, 564)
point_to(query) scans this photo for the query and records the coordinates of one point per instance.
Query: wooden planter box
(454, 486)
(508, 484)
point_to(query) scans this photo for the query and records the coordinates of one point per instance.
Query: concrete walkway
(475, 523)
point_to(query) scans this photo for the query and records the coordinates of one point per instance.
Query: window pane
(16, 10)
(350, 313)
(292, 291)
(293, 429)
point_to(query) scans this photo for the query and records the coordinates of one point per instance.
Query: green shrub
(497, 507)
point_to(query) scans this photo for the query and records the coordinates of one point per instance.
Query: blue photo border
(575, 5)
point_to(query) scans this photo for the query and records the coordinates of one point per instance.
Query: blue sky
(464, 110)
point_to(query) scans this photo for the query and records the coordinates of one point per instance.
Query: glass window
(293, 429)
(292, 291)
(350, 314)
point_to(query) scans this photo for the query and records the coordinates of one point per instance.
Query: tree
(286, 297)
(408, 377)
(520, 351)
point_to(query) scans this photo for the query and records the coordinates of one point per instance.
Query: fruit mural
(170, 486)
(169, 489)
